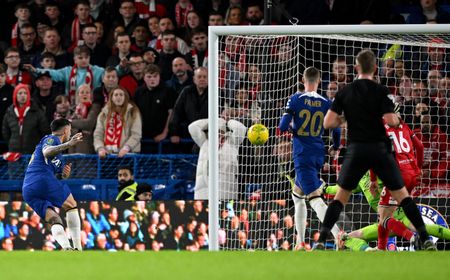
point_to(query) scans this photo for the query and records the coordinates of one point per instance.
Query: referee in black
(365, 104)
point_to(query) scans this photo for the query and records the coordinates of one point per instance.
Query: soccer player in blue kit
(41, 189)
(308, 110)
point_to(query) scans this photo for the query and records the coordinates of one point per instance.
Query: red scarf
(21, 112)
(82, 109)
(181, 14)
(14, 80)
(75, 33)
(113, 132)
(15, 35)
(73, 81)
(195, 58)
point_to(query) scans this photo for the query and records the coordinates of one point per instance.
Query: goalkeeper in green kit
(358, 240)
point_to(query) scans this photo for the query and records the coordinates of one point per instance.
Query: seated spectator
(127, 185)
(433, 78)
(28, 47)
(14, 75)
(24, 123)
(119, 126)
(140, 38)
(52, 44)
(150, 8)
(45, 94)
(153, 27)
(128, 17)
(193, 22)
(182, 8)
(82, 17)
(96, 219)
(215, 19)
(22, 13)
(7, 244)
(122, 44)
(135, 79)
(84, 119)
(404, 90)
(62, 107)
(234, 16)
(22, 240)
(181, 76)
(428, 12)
(110, 81)
(191, 105)
(143, 192)
(101, 34)
(166, 24)
(198, 56)
(254, 14)
(99, 52)
(155, 101)
(53, 13)
(150, 55)
(434, 59)
(82, 72)
(167, 54)
(436, 157)
(177, 241)
(6, 94)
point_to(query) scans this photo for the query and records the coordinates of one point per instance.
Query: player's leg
(73, 221)
(32, 194)
(353, 168)
(385, 212)
(432, 229)
(387, 169)
(299, 216)
(57, 228)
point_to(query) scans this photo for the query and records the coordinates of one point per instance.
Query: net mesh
(257, 75)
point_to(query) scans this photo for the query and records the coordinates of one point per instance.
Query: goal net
(254, 75)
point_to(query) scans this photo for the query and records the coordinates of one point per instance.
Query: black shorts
(361, 157)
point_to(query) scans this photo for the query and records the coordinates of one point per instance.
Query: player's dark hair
(311, 75)
(58, 124)
(367, 61)
(125, 167)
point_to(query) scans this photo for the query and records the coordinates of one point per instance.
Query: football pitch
(225, 265)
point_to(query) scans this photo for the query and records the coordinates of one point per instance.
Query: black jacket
(189, 107)
(35, 126)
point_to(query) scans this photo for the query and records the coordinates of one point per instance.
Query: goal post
(257, 45)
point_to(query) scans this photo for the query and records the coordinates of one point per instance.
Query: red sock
(383, 235)
(399, 229)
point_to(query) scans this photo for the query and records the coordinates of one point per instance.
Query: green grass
(225, 265)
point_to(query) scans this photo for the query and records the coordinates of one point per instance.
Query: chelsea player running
(308, 110)
(41, 189)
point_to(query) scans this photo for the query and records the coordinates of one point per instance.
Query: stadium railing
(171, 175)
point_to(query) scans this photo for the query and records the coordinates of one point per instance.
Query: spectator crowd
(113, 226)
(125, 71)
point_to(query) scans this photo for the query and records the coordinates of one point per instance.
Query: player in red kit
(409, 156)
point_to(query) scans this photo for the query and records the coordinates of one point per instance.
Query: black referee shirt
(364, 102)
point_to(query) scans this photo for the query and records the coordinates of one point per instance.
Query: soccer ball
(258, 134)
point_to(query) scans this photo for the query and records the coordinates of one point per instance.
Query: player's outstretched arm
(52, 151)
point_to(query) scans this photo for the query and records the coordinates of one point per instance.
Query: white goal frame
(213, 86)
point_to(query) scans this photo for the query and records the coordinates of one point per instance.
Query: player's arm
(51, 151)
(418, 146)
(197, 130)
(286, 119)
(332, 120)
(391, 119)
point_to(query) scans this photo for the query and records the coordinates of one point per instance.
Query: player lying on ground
(307, 110)
(42, 191)
(358, 240)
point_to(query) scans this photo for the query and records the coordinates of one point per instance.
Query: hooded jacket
(23, 126)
